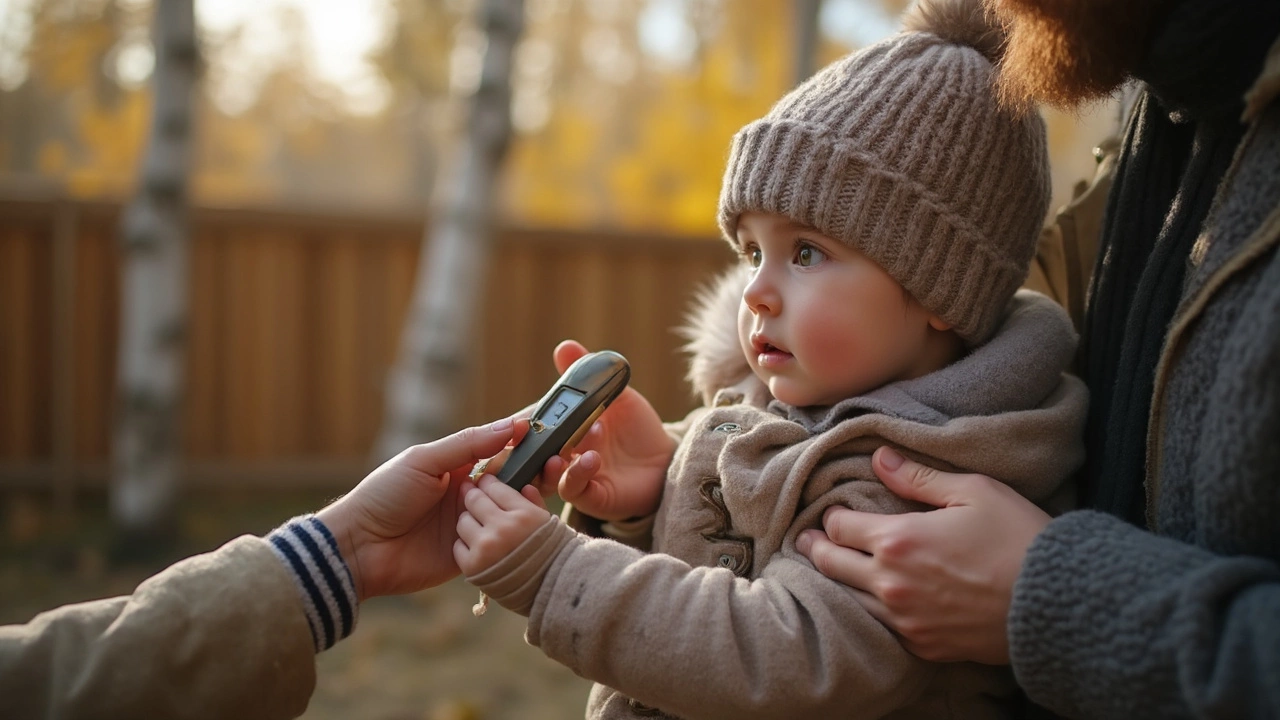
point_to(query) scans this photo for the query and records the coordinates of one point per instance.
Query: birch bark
(423, 389)
(146, 441)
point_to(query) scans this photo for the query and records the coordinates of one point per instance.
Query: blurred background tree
(154, 247)
(425, 386)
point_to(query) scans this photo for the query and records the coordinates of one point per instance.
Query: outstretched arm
(697, 642)
(225, 634)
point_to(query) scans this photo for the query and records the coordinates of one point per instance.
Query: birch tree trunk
(423, 389)
(153, 305)
(806, 47)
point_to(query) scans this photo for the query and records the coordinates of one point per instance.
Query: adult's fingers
(873, 606)
(461, 448)
(913, 481)
(850, 567)
(853, 528)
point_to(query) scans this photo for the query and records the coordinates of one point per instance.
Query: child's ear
(939, 324)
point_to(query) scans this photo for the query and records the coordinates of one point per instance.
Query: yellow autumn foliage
(626, 140)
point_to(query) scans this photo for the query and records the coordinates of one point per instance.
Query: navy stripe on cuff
(330, 579)
(309, 551)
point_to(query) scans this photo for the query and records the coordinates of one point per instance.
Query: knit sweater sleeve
(701, 642)
(1109, 621)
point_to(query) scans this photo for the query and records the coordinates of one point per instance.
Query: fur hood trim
(710, 332)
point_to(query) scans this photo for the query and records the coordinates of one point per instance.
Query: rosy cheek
(829, 342)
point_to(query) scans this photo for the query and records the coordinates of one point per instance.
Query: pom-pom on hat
(903, 151)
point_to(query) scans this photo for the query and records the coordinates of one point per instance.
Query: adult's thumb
(910, 480)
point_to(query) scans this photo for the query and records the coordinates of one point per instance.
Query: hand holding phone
(565, 414)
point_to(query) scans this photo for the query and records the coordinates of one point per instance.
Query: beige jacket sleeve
(699, 642)
(219, 635)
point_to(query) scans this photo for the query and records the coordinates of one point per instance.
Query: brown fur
(964, 22)
(1067, 52)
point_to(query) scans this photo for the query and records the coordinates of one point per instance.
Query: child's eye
(751, 255)
(808, 255)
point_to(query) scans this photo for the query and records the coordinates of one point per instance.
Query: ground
(419, 657)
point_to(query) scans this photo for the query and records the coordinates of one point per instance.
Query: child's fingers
(592, 439)
(533, 495)
(469, 530)
(588, 464)
(478, 502)
(577, 477)
(573, 483)
(503, 497)
(550, 476)
(555, 466)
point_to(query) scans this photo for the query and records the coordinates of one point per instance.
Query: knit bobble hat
(903, 151)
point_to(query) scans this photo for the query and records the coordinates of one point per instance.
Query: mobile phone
(566, 413)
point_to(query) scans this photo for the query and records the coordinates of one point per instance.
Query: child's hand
(623, 459)
(496, 520)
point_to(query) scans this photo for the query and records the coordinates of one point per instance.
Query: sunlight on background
(665, 33)
(856, 23)
(15, 35)
(623, 109)
(332, 39)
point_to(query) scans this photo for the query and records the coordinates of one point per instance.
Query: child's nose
(761, 294)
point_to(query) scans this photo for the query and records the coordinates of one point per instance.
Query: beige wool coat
(218, 635)
(725, 619)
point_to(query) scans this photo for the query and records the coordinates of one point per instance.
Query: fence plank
(294, 321)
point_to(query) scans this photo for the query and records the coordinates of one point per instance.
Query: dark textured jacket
(1110, 620)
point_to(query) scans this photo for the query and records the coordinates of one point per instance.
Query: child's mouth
(770, 356)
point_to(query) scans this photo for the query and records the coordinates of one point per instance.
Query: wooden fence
(294, 322)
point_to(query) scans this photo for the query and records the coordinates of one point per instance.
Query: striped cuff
(309, 551)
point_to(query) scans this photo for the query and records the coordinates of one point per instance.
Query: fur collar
(710, 332)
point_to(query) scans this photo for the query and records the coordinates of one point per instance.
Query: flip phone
(566, 413)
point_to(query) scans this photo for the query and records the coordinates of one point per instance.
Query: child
(886, 210)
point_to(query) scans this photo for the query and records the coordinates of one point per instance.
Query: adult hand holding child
(920, 573)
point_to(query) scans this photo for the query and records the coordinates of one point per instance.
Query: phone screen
(560, 405)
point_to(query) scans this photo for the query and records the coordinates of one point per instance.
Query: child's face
(820, 321)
